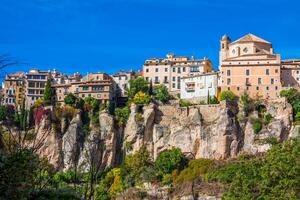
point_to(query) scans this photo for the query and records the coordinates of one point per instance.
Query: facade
(97, 85)
(199, 87)
(249, 65)
(290, 73)
(170, 70)
(122, 79)
(35, 82)
(14, 89)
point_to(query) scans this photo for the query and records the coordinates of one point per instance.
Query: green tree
(170, 160)
(92, 102)
(48, 93)
(122, 115)
(3, 113)
(246, 103)
(138, 85)
(141, 98)
(227, 95)
(257, 126)
(70, 99)
(161, 93)
(290, 94)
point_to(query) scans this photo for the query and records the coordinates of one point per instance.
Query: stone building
(199, 87)
(170, 70)
(290, 73)
(250, 65)
(14, 89)
(97, 85)
(122, 79)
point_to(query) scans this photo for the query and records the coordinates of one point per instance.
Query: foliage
(122, 115)
(48, 93)
(184, 103)
(39, 113)
(170, 160)
(3, 113)
(141, 98)
(227, 95)
(138, 85)
(246, 103)
(91, 101)
(257, 126)
(70, 99)
(290, 94)
(195, 170)
(268, 117)
(95, 119)
(138, 118)
(161, 93)
(38, 103)
(213, 100)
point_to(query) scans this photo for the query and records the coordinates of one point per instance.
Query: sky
(109, 35)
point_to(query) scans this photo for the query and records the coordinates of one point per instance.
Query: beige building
(249, 65)
(171, 69)
(122, 79)
(290, 73)
(13, 89)
(97, 85)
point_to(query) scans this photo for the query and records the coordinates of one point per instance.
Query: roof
(251, 38)
(198, 75)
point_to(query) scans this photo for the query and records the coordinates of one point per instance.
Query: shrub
(257, 126)
(91, 101)
(139, 117)
(290, 94)
(39, 113)
(213, 100)
(268, 117)
(48, 94)
(170, 160)
(122, 115)
(138, 85)
(3, 113)
(141, 98)
(184, 103)
(227, 95)
(38, 103)
(70, 99)
(161, 93)
(246, 103)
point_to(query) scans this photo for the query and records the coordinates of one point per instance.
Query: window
(173, 78)
(245, 50)
(31, 84)
(297, 78)
(194, 69)
(174, 69)
(156, 69)
(84, 88)
(259, 81)
(97, 88)
(247, 81)
(267, 72)
(228, 72)
(178, 70)
(267, 88)
(166, 69)
(276, 70)
(147, 70)
(165, 79)
(247, 88)
(178, 79)
(247, 72)
(147, 79)
(238, 88)
(173, 85)
(156, 79)
(233, 51)
(257, 88)
(272, 81)
(183, 69)
(228, 81)
(276, 88)
(297, 72)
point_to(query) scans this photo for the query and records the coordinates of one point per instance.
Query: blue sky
(108, 35)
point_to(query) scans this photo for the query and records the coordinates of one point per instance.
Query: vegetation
(227, 95)
(70, 99)
(268, 117)
(138, 85)
(161, 93)
(246, 103)
(48, 93)
(257, 126)
(212, 100)
(122, 115)
(141, 98)
(184, 103)
(293, 97)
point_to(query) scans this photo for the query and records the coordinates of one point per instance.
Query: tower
(224, 46)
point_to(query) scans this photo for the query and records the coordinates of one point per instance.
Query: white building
(122, 79)
(198, 87)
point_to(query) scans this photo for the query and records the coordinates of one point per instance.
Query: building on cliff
(97, 85)
(290, 73)
(250, 65)
(199, 87)
(170, 70)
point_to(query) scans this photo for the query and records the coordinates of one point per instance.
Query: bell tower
(224, 46)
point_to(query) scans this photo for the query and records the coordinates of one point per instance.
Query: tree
(227, 95)
(70, 99)
(290, 94)
(246, 103)
(141, 98)
(48, 93)
(92, 102)
(170, 160)
(122, 115)
(161, 93)
(138, 85)
(3, 113)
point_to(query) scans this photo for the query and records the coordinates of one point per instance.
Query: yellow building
(249, 65)
(14, 89)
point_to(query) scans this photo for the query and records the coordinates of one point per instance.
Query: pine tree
(48, 93)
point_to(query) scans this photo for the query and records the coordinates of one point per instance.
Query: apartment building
(122, 79)
(250, 65)
(171, 69)
(199, 87)
(35, 82)
(290, 73)
(14, 89)
(97, 85)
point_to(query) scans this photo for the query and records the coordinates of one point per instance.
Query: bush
(213, 100)
(228, 96)
(257, 126)
(92, 102)
(70, 99)
(246, 103)
(122, 115)
(138, 117)
(161, 93)
(290, 94)
(38, 103)
(3, 113)
(169, 160)
(138, 85)
(48, 94)
(184, 103)
(268, 117)
(141, 98)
